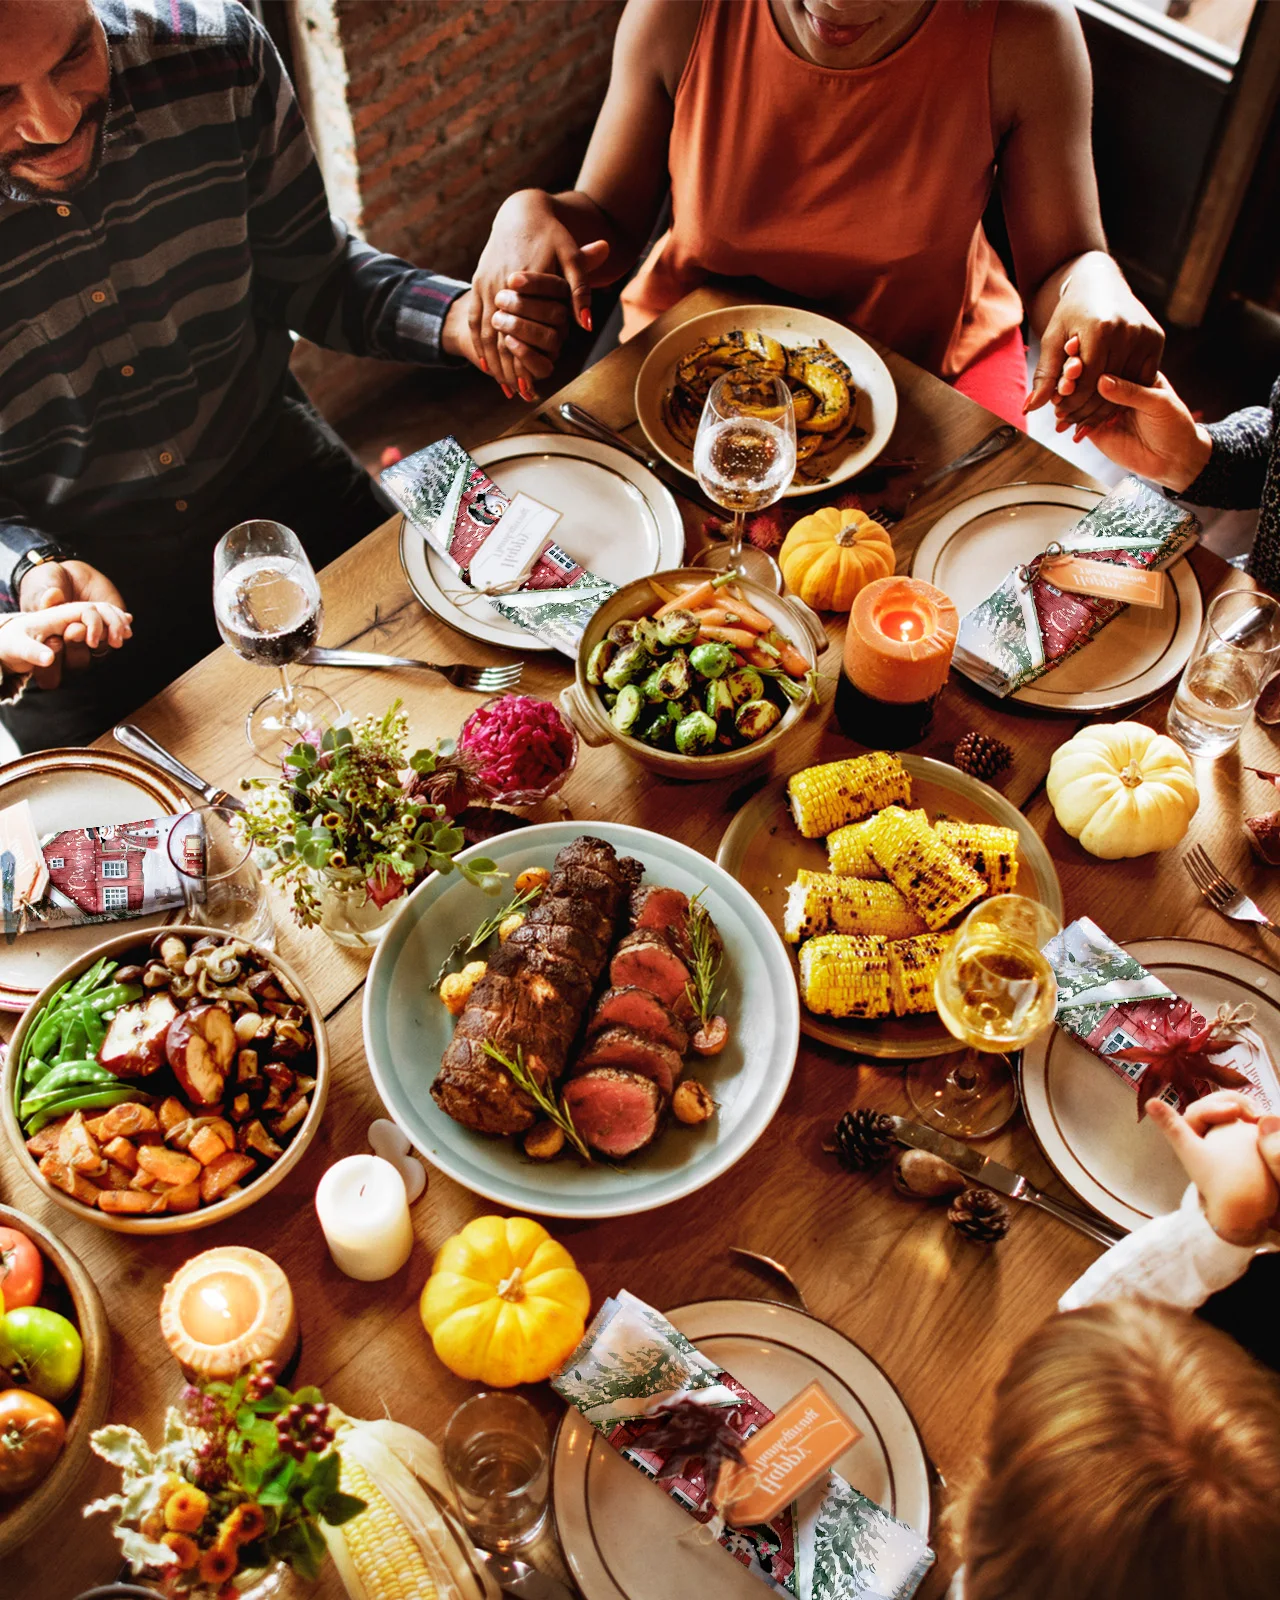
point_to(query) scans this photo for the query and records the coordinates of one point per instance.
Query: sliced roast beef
(647, 961)
(475, 1091)
(641, 1010)
(564, 940)
(617, 1113)
(662, 910)
(636, 1052)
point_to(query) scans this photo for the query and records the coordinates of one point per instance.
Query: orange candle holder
(897, 656)
(225, 1309)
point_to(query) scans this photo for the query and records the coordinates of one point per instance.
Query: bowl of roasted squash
(163, 1083)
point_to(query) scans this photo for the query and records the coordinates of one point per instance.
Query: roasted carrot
(729, 616)
(789, 658)
(739, 638)
(665, 595)
(700, 595)
(753, 618)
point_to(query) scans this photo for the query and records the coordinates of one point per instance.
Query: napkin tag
(517, 539)
(784, 1457)
(1103, 580)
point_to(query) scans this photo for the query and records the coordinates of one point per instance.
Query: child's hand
(1217, 1143)
(30, 640)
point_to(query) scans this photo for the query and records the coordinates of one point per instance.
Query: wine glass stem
(965, 1075)
(286, 690)
(737, 527)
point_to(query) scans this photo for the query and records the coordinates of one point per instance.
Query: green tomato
(40, 1351)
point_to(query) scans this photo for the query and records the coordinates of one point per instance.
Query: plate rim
(658, 355)
(602, 1204)
(561, 1464)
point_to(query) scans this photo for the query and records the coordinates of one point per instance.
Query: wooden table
(940, 1315)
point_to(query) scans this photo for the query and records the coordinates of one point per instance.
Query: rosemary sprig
(554, 1110)
(472, 941)
(705, 947)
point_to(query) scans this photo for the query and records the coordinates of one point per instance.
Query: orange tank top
(859, 191)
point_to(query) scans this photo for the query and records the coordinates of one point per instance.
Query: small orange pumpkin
(831, 554)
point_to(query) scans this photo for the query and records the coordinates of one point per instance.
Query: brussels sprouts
(648, 634)
(598, 660)
(650, 688)
(673, 677)
(711, 660)
(677, 628)
(657, 725)
(744, 684)
(622, 632)
(610, 699)
(719, 701)
(754, 718)
(631, 660)
(626, 708)
(694, 733)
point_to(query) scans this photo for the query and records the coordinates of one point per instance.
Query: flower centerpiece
(243, 1479)
(355, 821)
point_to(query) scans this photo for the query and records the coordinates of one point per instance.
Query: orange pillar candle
(897, 654)
(227, 1308)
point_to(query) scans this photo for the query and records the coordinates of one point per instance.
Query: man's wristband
(36, 556)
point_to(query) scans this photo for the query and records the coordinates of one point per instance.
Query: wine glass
(744, 457)
(219, 876)
(995, 991)
(267, 602)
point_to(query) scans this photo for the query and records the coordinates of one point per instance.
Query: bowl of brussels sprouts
(695, 673)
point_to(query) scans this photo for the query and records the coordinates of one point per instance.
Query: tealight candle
(364, 1212)
(897, 654)
(227, 1308)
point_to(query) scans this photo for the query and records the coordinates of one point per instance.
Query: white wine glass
(744, 457)
(995, 992)
(267, 601)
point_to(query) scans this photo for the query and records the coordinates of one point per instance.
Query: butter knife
(982, 1169)
(142, 744)
(582, 421)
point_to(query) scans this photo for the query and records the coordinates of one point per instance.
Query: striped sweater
(145, 320)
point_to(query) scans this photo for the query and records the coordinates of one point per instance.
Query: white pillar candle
(364, 1213)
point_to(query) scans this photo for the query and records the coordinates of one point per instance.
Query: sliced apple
(135, 1045)
(201, 1045)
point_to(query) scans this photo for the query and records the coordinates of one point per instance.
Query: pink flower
(384, 887)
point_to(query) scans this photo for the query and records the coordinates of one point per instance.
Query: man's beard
(14, 188)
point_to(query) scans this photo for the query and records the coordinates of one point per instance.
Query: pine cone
(980, 1215)
(981, 756)
(863, 1139)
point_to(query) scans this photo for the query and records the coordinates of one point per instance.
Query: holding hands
(65, 587)
(32, 641)
(1230, 1150)
(1151, 432)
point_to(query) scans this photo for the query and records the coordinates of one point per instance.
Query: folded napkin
(831, 1544)
(1028, 626)
(459, 510)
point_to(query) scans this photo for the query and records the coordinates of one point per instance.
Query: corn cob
(849, 853)
(820, 902)
(991, 851)
(913, 965)
(934, 880)
(377, 1550)
(826, 797)
(845, 975)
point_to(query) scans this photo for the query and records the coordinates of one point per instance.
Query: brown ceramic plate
(762, 849)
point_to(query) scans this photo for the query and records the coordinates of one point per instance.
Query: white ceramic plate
(625, 1540)
(1085, 1118)
(407, 1029)
(875, 404)
(616, 518)
(969, 550)
(71, 789)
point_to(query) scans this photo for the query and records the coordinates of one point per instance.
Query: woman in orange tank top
(841, 153)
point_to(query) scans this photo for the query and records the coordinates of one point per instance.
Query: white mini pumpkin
(1122, 789)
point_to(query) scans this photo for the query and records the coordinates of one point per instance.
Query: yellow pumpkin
(1122, 789)
(831, 554)
(504, 1303)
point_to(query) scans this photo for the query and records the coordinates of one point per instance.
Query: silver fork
(1221, 893)
(483, 680)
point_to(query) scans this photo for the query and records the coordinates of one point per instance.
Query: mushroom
(250, 1026)
(291, 1116)
(264, 986)
(254, 1137)
(155, 975)
(182, 987)
(247, 1066)
(290, 1039)
(172, 951)
(223, 966)
(290, 988)
(128, 974)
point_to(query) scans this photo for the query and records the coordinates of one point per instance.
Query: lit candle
(897, 655)
(364, 1212)
(227, 1308)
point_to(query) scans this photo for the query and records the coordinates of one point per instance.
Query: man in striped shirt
(163, 227)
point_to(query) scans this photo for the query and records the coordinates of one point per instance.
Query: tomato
(31, 1436)
(21, 1269)
(41, 1351)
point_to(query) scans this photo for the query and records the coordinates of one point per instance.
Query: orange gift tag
(784, 1458)
(1104, 580)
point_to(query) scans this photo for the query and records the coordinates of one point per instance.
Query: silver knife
(142, 744)
(582, 421)
(518, 1577)
(990, 1173)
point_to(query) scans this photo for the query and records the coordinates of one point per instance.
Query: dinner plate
(624, 1539)
(763, 850)
(875, 400)
(407, 1029)
(971, 547)
(616, 518)
(73, 789)
(1085, 1118)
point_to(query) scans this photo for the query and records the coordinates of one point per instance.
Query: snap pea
(46, 1031)
(74, 1040)
(97, 974)
(34, 1071)
(119, 994)
(92, 1100)
(94, 1027)
(74, 1083)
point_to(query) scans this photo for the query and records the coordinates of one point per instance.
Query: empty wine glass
(744, 457)
(219, 876)
(267, 602)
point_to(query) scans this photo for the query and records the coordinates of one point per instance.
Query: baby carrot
(740, 638)
(732, 601)
(700, 595)
(729, 616)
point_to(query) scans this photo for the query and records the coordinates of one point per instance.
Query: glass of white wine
(745, 457)
(995, 992)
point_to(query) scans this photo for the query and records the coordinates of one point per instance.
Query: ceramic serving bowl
(584, 706)
(21, 1515)
(206, 1215)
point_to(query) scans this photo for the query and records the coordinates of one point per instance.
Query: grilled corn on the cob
(913, 965)
(825, 797)
(934, 880)
(820, 902)
(991, 851)
(849, 852)
(846, 975)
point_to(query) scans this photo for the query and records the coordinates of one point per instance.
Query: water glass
(223, 886)
(497, 1455)
(1239, 649)
(744, 457)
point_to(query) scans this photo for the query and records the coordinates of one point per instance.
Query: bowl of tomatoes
(55, 1373)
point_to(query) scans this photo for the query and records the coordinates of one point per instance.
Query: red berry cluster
(303, 1430)
(261, 1380)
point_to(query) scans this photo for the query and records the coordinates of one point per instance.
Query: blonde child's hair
(1134, 1455)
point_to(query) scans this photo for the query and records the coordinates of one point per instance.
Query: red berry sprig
(303, 1430)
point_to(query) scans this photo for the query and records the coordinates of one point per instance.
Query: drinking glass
(496, 1454)
(995, 992)
(223, 886)
(744, 457)
(1239, 649)
(267, 602)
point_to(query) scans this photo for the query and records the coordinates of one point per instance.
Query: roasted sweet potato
(68, 1179)
(171, 1113)
(121, 1152)
(125, 1202)
(124, 1122)
(168, 1166)
(40, 1144)
(206, 1146)
(78, 1148)
(218, 1177)
(115, 1176)
(186, 1197)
